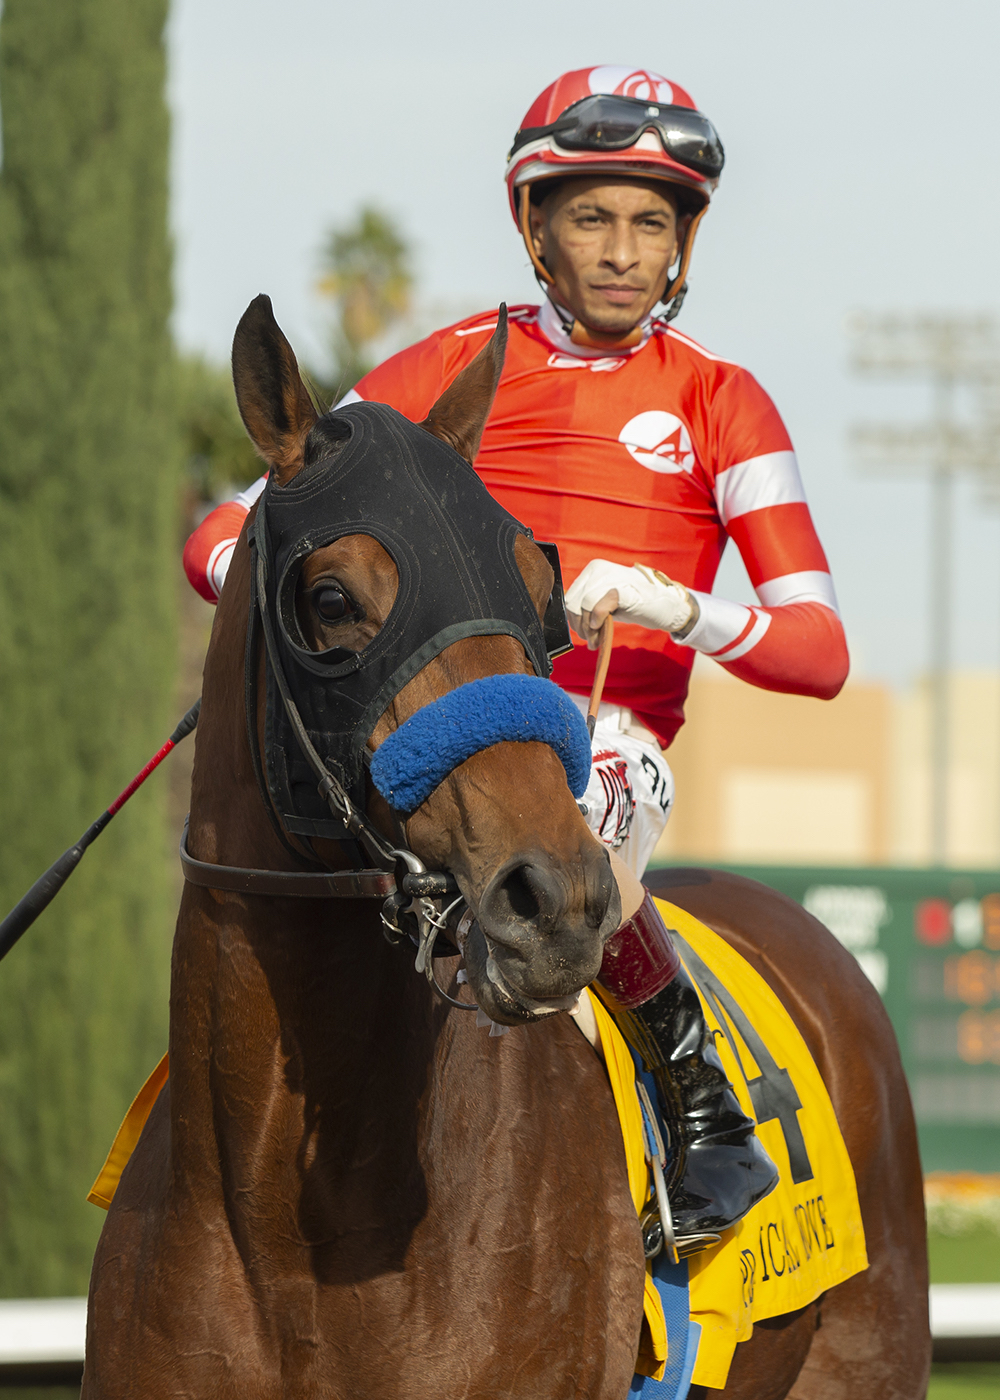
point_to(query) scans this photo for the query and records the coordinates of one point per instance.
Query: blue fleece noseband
(420, 754)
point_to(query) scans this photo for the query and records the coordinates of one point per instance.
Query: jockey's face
(609, 243)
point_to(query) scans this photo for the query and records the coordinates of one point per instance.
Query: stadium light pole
(947, 351)
(989, 407)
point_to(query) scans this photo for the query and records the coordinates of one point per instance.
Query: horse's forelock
(327, 437)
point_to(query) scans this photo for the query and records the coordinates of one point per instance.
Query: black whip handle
(41, 894)
(47, 886)
(187, 724)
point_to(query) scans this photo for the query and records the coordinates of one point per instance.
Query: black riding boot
(718, 1169)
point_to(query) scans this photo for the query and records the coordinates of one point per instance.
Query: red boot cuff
(640, 959)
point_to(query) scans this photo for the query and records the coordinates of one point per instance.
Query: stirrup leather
(656, 1221)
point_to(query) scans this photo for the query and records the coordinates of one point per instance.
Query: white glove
(644, 596)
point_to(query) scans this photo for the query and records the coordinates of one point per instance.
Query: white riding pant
(631, 790)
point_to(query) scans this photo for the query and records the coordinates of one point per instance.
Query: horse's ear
(273, 401)
(459, 416)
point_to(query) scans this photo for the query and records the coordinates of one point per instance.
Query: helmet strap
(541, 271)
(580, 335)
(677, 286)
(672, 310)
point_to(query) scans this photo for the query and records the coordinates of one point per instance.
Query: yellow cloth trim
(652, 1357)
(102, 1193)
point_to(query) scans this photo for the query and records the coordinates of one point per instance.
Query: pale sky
(862, 173)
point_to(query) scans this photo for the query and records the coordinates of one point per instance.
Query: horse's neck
(317, 1086)
(300, 1040)
(302, 1045)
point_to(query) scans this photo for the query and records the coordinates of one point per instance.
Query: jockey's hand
(640, 594)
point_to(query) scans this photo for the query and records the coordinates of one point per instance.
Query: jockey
(640, 454)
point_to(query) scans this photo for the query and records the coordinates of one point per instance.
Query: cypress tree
(89, 454)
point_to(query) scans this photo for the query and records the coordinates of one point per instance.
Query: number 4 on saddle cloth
(802, 1239)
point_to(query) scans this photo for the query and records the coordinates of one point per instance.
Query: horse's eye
(330, 604)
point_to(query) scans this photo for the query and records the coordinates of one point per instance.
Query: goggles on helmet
(606, 122)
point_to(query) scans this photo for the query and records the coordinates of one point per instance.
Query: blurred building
(779, 779)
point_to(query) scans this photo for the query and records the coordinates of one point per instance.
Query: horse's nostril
(519, 893)
(528, 896)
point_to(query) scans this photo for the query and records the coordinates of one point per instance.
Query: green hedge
(89, 459)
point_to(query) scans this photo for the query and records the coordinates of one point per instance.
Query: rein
(434, 939)
(282, 884)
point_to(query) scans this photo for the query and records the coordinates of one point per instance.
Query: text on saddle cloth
(807, 1235)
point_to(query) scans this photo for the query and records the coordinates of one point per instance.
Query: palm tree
(366, 271)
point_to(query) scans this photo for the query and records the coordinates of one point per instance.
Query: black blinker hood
(453, 546)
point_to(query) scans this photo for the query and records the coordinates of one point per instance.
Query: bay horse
(347, 1188)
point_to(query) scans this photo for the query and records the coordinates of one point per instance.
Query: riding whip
(45, 889)
(607, 636)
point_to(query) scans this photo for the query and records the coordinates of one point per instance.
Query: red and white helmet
(617, 121)
(656, 132)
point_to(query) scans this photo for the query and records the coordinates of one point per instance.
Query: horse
(347, 1187)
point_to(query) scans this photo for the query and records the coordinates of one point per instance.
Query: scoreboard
(929, 940)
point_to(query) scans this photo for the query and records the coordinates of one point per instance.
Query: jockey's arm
(209, 549)
(793, 642)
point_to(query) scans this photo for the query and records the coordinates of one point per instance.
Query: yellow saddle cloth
(804, 1238)
(807, 1235)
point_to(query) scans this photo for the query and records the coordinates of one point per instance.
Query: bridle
(416, 890)
(421, 906)
(435, 936)
(408, 891)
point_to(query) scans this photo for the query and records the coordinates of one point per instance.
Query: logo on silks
(630, 82)
(658, 441)
(618, 798)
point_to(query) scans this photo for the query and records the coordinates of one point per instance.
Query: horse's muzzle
(540, 934)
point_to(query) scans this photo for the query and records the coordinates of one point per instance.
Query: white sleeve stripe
(720, 624)
(749, 641)
(809, 586)
(352, 396)
(675, 334)
(246, 498)
(218, 565)
(770, 480)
